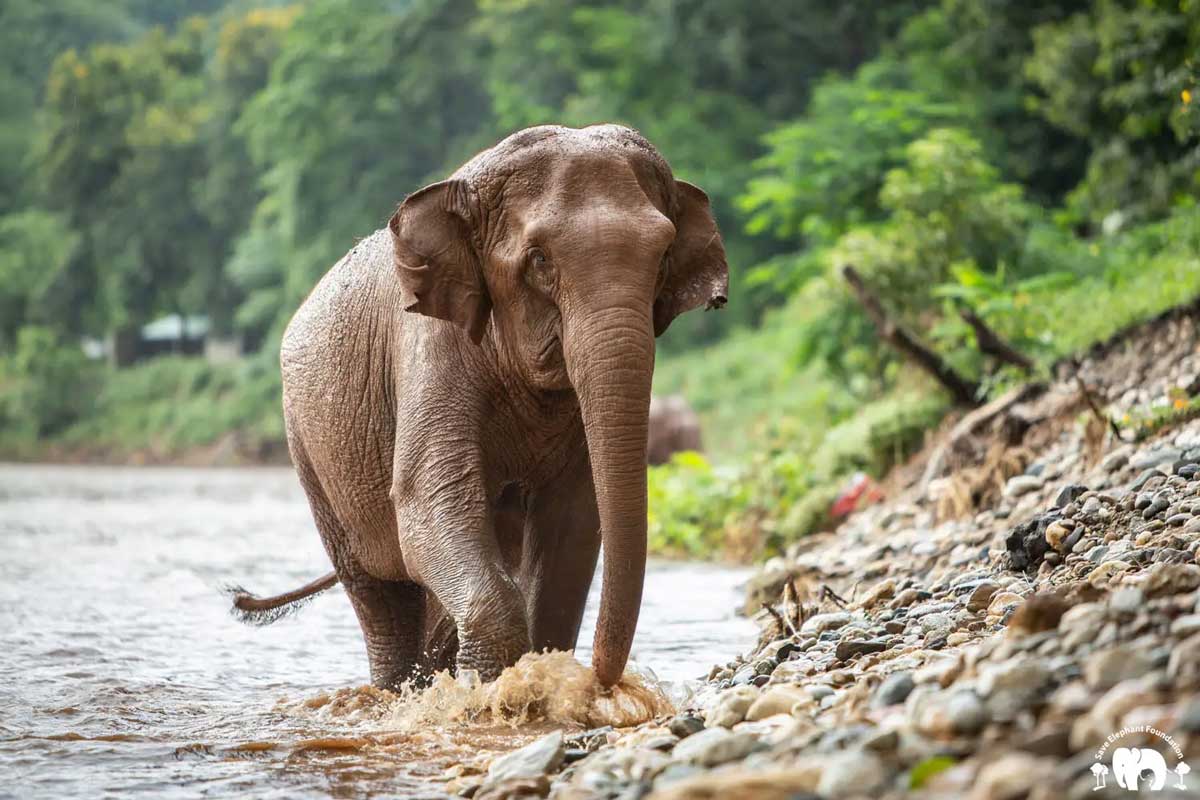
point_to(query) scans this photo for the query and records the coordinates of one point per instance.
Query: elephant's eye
(540, 274)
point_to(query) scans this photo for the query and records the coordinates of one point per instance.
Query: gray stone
(1155, 458)
(713, 746)
(1069, 494)
(532, 761)
(731, 706)
(1107, 668)
(894, 690)
(847, 650)
(1020, 485)
(851, 773)
(1144, 478)
(824, 622)
(684, 725)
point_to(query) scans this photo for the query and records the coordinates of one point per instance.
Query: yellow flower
(1180, 404)
(1186, 96)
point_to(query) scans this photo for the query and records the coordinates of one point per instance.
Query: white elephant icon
(1130, 762)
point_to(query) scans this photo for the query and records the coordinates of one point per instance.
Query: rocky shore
(998, 629)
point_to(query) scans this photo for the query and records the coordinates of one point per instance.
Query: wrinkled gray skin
(674, 428)
(445, 451)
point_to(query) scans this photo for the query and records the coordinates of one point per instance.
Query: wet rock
(713, 746)
(1107, 668)
(778, 700)
(514, 789)
(731, 706)
(532, 761)
(684, 725)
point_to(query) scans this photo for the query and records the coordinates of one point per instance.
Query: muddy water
(121, 673)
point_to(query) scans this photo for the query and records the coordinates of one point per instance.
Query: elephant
(1130, 762)
(466, 396)
(674, 428)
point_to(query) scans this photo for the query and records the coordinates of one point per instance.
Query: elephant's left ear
(697, 274)
(432, 232)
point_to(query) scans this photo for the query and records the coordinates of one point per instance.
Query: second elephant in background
(674, 428)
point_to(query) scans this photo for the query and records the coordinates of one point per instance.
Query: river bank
(996, 630)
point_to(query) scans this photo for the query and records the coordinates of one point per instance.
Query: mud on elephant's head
(571, 250)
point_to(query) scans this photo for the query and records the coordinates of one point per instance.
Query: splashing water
(122, 673)
(540, 688)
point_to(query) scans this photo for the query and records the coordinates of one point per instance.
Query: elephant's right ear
(432, 232)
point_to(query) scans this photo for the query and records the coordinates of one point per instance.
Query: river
(122, 673)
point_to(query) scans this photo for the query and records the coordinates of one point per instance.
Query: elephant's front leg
(558, 560)
(449, 543)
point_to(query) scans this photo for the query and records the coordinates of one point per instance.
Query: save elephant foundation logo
(1134, 765)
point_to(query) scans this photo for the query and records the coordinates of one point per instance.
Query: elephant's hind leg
(390, 613)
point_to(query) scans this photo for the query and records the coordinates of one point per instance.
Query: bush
(45, 386)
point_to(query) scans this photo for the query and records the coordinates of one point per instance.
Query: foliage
(44, 385)
(1037, 163)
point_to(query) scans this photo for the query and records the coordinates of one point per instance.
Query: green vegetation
(1037, 163)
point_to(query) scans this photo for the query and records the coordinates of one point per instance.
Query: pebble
(778, 700)
(713, 746)
(1002, 602)
(684, 725)
(847, 650)
(731, 706)
(824, 622)
(852, 773)
(981, 596)
(1020, 485)
(894, 690)
(1107, 668)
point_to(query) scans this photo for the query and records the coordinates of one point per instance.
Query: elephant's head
(1130, 762)
(568, 251)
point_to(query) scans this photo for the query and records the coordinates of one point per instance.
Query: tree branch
(991, 344)
(962, 390)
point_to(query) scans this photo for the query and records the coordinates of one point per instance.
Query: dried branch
(990, 342)
(1090, 399)
(962, 390)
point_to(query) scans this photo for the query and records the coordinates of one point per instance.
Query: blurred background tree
(210, 159)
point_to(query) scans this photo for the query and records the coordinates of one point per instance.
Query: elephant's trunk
(610, 360)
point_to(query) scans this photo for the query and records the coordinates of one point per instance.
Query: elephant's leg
(562, 539)
(390, 613)
(459, 561)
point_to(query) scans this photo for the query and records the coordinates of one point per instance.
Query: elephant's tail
(254, 610)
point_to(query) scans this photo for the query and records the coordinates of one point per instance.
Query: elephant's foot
(493, 635)
(390, 614)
